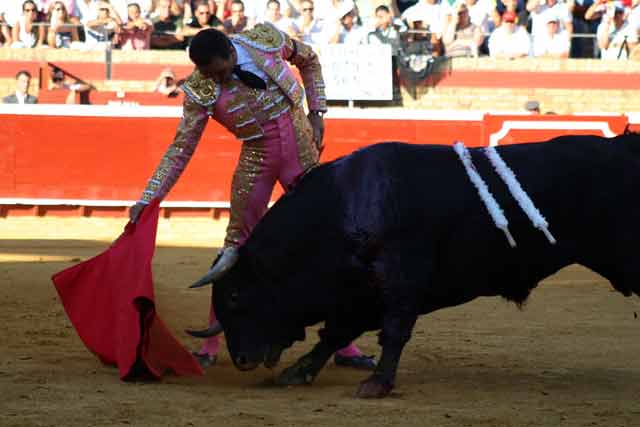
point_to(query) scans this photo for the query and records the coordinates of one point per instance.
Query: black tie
(249, 78)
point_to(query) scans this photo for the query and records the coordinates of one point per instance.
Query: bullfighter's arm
(194, 120)
(302, 56)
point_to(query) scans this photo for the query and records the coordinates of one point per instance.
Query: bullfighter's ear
(227, 260)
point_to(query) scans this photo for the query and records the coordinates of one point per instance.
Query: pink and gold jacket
(240, 109)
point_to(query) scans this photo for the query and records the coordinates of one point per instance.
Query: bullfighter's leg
(403, 285)
(251, 187)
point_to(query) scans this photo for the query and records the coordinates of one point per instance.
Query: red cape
(110, 302)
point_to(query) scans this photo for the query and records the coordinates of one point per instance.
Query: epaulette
(264, 37)
(200, 89)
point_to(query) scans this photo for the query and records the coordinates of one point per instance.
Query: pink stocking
(350, 351)
(211, 345)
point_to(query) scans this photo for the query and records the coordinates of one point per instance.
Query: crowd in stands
(499, 28)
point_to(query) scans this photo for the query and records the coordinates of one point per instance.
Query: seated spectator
(461, 37)
(274, 16)
(104, 29)
(541, 10)
(62, 32)
(204, 18)
(26, 32)
(307, 28)
(346, 30)
(166, 84)
(21, 94)
(167, 28)
(237, 22)
(69, 6)
(616, 37)
(427, 12)
(509, 40)
(554, 42)
(385, 32)
(60, 81)
(135, 33)
(121, 7)
(480, 13)
(5, 30)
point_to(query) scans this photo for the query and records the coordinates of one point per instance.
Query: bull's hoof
(298, 374)
(374, 388)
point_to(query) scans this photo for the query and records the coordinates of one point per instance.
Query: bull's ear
(227, 260)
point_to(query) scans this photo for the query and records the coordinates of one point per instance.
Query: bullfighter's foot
(367, 363)
(302, 372)
(204, 359)
(374, 388)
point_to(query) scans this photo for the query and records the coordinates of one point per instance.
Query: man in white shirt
(541, 9)
(554, 42)
(307, 28)
(21, 95)
(509, 40)
(616, 36)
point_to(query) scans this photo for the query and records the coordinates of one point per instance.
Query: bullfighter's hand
(317, 123)
(135, 211)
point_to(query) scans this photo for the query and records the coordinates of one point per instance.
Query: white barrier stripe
(108, 203)
(518, 193)
(489, 201)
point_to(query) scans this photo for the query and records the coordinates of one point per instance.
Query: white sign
(358, 72)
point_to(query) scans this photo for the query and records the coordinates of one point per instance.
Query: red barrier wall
(109, 158)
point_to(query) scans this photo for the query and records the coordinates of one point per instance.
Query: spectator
(167, 28)
(427, 12)
(583, 47)
(237, 22)
(346, 30)
(204, 18)
(307, 28)
(274, 16)
(541, 10)
(135, 33)
(509, 40)
(519, 7)
(87, 10)
(121, 7)
(62, 32)
(103, 29)
(59, 82)
(5, 30)
(385, 32)
(190, 6)
(554, 42)
(21, 94)
(532, 107)
(69, 6)
(461, 37)
(166, 84)
(616, 37)
(26, 32)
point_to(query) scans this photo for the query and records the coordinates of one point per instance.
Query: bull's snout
(244, 363)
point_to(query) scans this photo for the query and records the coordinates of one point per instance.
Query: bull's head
(252, 314)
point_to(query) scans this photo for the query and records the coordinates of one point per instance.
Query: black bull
(375, 239)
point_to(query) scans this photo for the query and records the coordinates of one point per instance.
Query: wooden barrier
(96, 160)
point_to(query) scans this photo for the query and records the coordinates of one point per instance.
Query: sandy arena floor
(570, 358)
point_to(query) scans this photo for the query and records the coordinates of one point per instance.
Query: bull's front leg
(305, 370)
(395, 334)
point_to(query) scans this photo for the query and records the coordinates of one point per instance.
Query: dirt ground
(570, 358)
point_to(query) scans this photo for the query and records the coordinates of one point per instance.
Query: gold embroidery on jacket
(200, 89)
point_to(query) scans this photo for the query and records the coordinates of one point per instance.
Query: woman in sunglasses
(62, 31)
(27, 32)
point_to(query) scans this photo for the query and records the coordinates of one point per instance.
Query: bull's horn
(228, 258)
(215, 329)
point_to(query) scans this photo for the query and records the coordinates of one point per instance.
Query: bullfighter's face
(255, 328)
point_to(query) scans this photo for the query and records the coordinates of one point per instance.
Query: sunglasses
(58, 9)
(204, 13)
(307, 9)
(29, 10)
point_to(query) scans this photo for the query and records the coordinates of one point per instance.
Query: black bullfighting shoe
(367, 363)
(205, 360)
